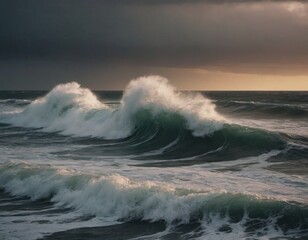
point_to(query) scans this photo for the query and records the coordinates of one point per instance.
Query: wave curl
(73, 110)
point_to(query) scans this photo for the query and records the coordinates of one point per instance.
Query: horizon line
(179, 90)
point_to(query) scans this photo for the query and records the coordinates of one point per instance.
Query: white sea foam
(106, 196)
(73, 110)
(119, 198)
(15, 101)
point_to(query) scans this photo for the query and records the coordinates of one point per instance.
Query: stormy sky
(197, 44)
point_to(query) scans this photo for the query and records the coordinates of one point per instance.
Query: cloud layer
(251, 36)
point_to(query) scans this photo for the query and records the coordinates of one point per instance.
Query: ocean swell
(151, 121)
(266, 109)
(72, 110)
(122, 199)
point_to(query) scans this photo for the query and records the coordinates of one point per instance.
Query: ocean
(152, 162)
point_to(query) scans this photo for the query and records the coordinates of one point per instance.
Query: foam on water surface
(155, 156)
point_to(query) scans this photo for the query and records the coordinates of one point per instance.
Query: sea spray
(73, 110)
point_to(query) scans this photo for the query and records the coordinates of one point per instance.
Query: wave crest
(73, 110)
(123, 199)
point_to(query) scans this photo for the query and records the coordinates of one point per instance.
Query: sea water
(153, 163)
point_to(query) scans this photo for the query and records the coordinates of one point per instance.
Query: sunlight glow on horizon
(247, 82)
(203, 80)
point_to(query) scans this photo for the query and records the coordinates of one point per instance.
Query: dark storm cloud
(191, 1)
(205, 34)
(152, 2)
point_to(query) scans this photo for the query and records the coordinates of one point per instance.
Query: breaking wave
(121, 199)
(73, 110)
(152, 121)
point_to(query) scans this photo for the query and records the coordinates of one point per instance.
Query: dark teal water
(153, 164)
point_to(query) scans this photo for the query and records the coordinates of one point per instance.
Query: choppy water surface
(153, 163)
